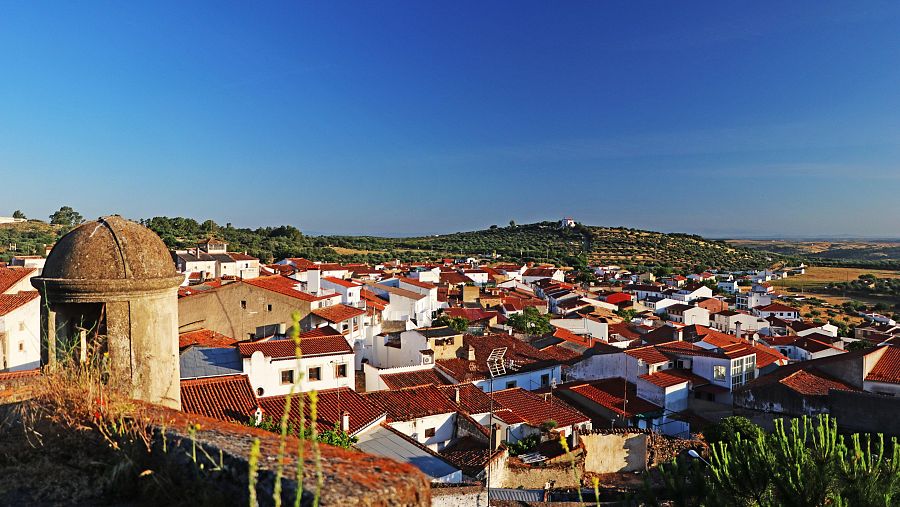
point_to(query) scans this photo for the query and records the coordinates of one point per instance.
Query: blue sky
(718, 118)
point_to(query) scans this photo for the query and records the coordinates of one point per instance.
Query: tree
(458, 324)
(18, 214)
(627, 314)
(728, 428)
(512, 224)
(530, 322)
(66, 216)
(804, 462)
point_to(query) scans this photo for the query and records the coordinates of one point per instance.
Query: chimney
(737, 328)
(456, 396)
(471, 352)
(282, 329)
(345, 421)
(495, 440)
(258, 415)
(312, 281)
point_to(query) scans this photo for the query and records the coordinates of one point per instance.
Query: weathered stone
(110, 286)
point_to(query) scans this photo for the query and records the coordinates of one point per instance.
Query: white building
(273, 367)
(20, 335)
(212, 259)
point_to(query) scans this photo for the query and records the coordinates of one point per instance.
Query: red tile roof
(411, 403)
(672, 377)
(887, 369)
(526, 357)
(413, 379)
(776, 307)
(764, 355)
(811, 383)
(285, 286)
(611, 395)
(648, 355)
(338, 313)
(536, 408)
(454, 278)
(341, 281)
(472, 399)
(417, 283)
(471, 314)
(10, 302)
(331, 405)
(372, 300)
(227, 398)
(11, 276)
(204, 337)
(310, 346)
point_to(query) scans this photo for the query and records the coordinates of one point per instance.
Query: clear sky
(718, 118)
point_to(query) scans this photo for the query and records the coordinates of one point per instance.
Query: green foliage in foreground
(335, 436)
(728, 429)
(804, 463)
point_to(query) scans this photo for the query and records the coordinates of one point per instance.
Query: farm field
(817, 278)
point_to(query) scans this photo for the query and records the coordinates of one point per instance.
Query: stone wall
(615, 452)
(454, 496)
(865, 412)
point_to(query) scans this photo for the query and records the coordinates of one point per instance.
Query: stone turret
(110, 286)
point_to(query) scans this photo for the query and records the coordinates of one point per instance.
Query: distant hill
(548, 242)
(848, 253)
(28, 238)
(539, 242)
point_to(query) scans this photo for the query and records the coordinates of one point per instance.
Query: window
(340, 370)
(315, 374)
(429, 432)
(260, 391)
(718, 372)
(22, 326)
(545, 380)
(511, 384)
(268, 308)
(287, 377)
(21, 346)
(243, 305)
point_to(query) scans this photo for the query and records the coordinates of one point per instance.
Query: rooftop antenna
(497, 368)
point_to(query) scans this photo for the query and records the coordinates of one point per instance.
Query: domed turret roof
(110, 248)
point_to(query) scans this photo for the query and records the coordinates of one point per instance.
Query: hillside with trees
(539, 242)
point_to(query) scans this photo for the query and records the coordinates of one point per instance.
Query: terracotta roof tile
(10, 276)
(331, 405)
(527, 358)
(341, 281)
(611, 395)
(227, 398)
(887, 369)
(338, 313)
(413, 379)
(673, 377)
(10, 302)
(285, 286)
(648, 355)
(811, 383)
(536, 408)
(472, 399)
(411, 402)
(204, 337)
(310, 346)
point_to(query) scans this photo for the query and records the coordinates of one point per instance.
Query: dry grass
(355, 251)
(819, 277)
